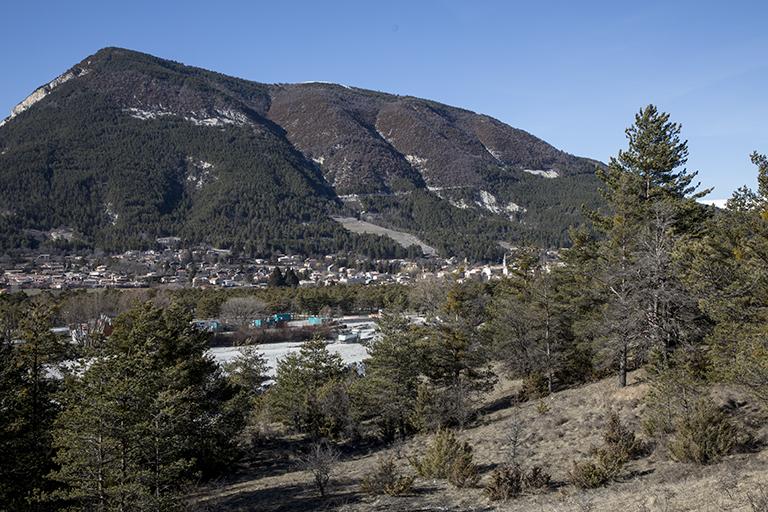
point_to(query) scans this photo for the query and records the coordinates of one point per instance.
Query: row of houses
(210, 267)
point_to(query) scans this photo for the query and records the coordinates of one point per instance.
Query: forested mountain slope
(126, 147)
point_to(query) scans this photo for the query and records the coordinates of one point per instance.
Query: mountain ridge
(341, 141)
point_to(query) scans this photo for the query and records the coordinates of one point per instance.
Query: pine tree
(276, 278)
(291, 279)
(654, 156)
(306, 389)
(580, 298)
(29, 353)
(248, 371)
(728, 272)
(456, 359)
(528, 322)
(387, 393)
(651, 206)
(102, 433)
(145, 418)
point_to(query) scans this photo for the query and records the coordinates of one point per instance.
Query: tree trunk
(623, 366)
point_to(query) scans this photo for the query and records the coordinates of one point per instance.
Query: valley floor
(555, 432)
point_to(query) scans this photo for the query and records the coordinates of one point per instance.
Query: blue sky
(572, 73)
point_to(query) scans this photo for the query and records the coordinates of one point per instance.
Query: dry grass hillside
(554, 433)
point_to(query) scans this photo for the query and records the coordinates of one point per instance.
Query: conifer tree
(729, 275)
(387, 393)
(291, 279)
(145, 418)
(651, 205)
(455, 356)
(528, 319)
(276, 278)
(29, 353)
(307, 387)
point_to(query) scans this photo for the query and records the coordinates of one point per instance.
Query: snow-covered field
(349, 352)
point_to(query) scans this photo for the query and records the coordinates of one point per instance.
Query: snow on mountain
(719, 203)
(544, 174)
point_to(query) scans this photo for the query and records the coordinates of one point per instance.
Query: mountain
(125, 147)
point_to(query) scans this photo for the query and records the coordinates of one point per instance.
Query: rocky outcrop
(43, 91)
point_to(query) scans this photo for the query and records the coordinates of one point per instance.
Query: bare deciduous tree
(242, 310)
(88, 315)
(320, 461)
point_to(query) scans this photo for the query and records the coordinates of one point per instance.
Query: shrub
(386, 479)
(510, 480)
(536, 478)
(703, 436)
(447, 458)
(506, 482)
(619, 446)
(589, 474)
(620, 439)
(534, 386)
(603, 467)
(437, 408)
(463, 471)
(320, 462)
(542, 407)
(673, 393)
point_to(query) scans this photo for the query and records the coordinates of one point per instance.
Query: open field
(402, 238)
(273, 352)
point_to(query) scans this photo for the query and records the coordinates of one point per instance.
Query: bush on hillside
(619, 446)
(448, 458)
(604, 466)
(704, 436)
(386, 479)
(620, 439)
(511, 480)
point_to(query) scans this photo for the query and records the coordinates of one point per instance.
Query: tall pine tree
(145, 418)
(651, 207)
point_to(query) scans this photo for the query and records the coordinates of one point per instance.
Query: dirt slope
(555, 432)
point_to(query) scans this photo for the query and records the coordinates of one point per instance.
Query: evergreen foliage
(27, 405)
(388, 393)
(651, 211)
(386, 479)
(448, 458)
(146, 418)
(310, 391)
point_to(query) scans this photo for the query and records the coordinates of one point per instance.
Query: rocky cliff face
(43, 91)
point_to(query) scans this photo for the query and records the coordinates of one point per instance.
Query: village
(200, 267)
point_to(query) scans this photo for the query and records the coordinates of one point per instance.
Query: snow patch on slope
(326, 83)
(461, 204)
(386, 136)
(199, 173)
(488, 202)
(417, 162)
(220, 117)
(144, 115)
(495, 154)
(109, 209)
(224, 117)
(544, 174)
